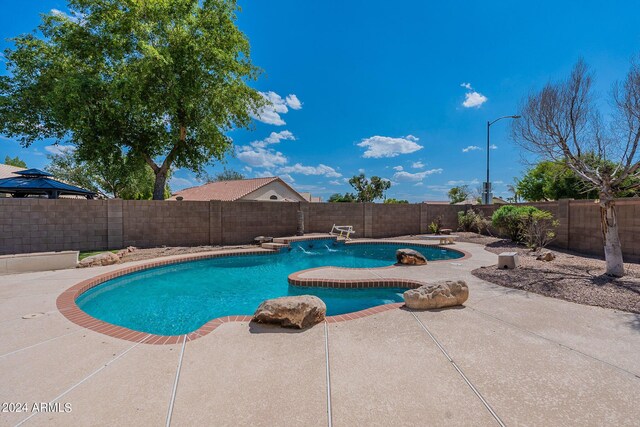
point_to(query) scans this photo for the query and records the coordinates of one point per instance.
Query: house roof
(227, 191)
(8, 171)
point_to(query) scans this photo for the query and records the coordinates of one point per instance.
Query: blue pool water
(179, 298)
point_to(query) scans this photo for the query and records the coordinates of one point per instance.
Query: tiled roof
(7, 171)
(224, 190)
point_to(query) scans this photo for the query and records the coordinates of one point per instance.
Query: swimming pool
(179, 298)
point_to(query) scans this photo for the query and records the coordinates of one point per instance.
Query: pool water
(179, 298)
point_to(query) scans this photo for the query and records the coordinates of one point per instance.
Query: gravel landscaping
(571, 276)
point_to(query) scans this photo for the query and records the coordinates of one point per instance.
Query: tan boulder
(291, 312)
(546, 256)
(446, 293)
(105, 258)
(410, 257)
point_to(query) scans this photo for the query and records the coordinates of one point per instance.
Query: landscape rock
(546, 256)
(446, 293)
(291, 312)
(122, 252)
(105, 258)
(410, 257)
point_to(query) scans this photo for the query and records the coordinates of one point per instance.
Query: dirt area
(142, 254)
(571, 276)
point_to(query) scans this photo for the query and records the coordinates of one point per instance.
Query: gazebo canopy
(37, 182)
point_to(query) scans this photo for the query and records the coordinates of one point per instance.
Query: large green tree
(369, 190)
(162, 80)
(554, 180)
(227, 175)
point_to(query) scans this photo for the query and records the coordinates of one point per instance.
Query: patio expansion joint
(40, 343)
(457, 368)
(328, 375)
(175, 384)
(566, 347)
(85, 379)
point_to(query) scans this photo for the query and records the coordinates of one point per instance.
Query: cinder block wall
(42, 225)
(38, 225)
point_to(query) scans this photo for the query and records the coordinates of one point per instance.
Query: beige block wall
(42, 225)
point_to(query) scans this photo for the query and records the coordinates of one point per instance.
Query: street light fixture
(487, 194)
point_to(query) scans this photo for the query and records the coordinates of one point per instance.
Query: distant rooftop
(227, 191)
(8, 171)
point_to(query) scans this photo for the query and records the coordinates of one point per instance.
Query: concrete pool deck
(506, 357)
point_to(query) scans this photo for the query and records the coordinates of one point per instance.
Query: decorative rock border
(66, 301)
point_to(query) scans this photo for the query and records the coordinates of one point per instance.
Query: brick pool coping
(66, 301)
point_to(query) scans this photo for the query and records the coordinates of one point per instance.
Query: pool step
(274, 246)
(281, 240)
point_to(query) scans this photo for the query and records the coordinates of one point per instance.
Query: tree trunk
(612, 247)
(160, 184)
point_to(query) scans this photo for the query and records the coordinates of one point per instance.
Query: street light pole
(487, 194)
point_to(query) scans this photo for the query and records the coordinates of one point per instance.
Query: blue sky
(400, 89)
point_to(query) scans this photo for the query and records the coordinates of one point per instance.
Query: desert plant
(538, 229)
(436, 225)
(472, 220)
(509, 219)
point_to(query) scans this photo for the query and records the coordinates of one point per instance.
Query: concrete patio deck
(507, 357)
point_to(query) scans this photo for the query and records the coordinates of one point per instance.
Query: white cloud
(463, 182)
(335, 182)
(471, 148)
(493, 147)
(264, 174)
(385, 146)
(321, 169)
(398, 168)
(404, 176)
(287, 178)
(248, 168)
(361, 170)
(418, 184)
(417, 165)
(260, 157)
(59, 149)
(293, 102)
(276, 105)
(472, 98)
(274, 138)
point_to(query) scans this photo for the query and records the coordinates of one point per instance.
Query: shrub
(526, 223)
(472, 221)
(436, 225)
(539, 229)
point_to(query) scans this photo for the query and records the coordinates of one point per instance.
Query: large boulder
(446, 293)
(410, 257)
(105, 258)
(292, 312)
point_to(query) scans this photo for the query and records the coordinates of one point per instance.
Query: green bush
(509, 220)
(471, 221)
(539, 229)
(435, 225)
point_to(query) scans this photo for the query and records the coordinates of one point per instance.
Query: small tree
(472, 221)
(459, 194)
(228, 175)
(369, 191)
(561, 123)
(16, 161)
(392, 201)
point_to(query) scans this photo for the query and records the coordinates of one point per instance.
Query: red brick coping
(66, 302)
